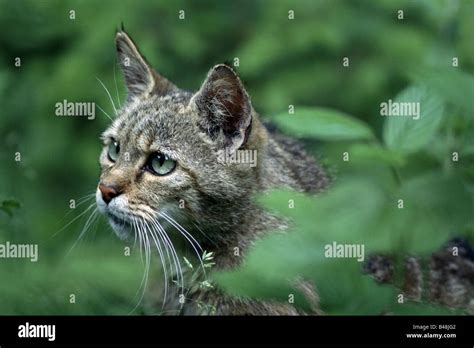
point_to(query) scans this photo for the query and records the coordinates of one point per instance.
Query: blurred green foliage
(365, 209)
(282, 62)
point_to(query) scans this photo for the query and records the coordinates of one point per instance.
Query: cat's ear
(140, 78)
(224, 106)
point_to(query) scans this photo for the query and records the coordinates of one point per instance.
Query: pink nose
(109, 192)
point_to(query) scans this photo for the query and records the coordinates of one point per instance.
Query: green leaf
(372, 153)
(435, 209)
(452, 85)
(443, 200)
(189, 264)
(324, 124)
(354, 211)
(407, 134)
(278, 260)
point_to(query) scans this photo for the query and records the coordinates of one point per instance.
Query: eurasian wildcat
(166, 173)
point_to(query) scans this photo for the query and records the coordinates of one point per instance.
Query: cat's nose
(109, 192)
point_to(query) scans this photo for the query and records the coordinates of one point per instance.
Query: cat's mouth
(116, 219)
(121, 225)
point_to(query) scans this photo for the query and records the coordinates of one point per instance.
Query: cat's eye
(161, 164)
(113, 150)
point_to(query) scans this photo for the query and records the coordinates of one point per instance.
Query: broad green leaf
(346, 214)
(452, 85)
(355, 211)
(411, 133)
(374, 153)
(443, 196)
(435, 209)
(324, 124)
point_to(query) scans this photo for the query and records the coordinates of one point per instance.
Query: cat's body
(166, 170)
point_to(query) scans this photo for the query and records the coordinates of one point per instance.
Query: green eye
(113, 150)
(161, 164)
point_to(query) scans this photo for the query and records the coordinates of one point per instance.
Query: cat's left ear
(140, 78)
(224, 107)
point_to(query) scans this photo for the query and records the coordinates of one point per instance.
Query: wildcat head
(161, 154)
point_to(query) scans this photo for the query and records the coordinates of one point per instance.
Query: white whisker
(143, 283)
(94, 215)
(77, 217)
(106, 114)
(184, 233)
(179, 270)
(165, 273)
(108, 93)
(182, 229)
(147, 258)
(140, 241)
(161, 233)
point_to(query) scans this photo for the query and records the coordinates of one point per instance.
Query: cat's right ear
(225, 107)
(140, 78)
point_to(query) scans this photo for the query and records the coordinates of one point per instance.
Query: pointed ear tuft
(140, 78)
(224, 106)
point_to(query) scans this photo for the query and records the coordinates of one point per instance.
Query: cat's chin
(122, 228)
